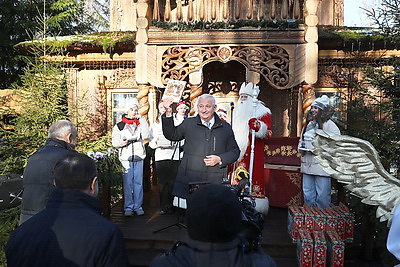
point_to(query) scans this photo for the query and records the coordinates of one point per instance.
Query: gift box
(295, 222)
(308, 218)
(319, 223)
(341, 221)
(331, 219)
(335, 249)
(305, 248)
(349, 223)
(320, 248)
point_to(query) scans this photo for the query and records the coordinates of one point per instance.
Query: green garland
(205, 25)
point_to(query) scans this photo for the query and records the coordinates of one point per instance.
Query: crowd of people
(61, 222)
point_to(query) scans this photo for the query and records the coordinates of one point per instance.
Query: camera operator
(214, 221)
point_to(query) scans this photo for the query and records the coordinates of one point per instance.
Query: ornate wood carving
(223, 87)
(273, 9)
(284, 9)
(167, 11)
(190, 11)
(179, 14)
(272, 62)
(122, 78)
(156, 11)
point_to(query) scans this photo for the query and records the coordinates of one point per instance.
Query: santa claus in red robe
(246, 117)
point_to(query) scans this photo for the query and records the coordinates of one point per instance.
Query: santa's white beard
(241, 114)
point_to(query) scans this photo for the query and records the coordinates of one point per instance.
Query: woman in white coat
(166, 158)
(316, 182)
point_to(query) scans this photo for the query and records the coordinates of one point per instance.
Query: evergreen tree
(22, 20)
(387, 18)
(373, 110)
(43, 99)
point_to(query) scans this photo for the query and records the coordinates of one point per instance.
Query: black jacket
(200, 142)
(38, 178)
(193, 253)
(69, 232)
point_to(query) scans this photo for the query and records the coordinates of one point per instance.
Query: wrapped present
(308, 218)
(319, 220)
(331, 219)
(305, 247)
(295, 222)
(341, 221)
(349, 223)
(335, 247)
(320, 248)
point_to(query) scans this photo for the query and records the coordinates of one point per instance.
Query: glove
(254, 124)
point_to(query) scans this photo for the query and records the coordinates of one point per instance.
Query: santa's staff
(253, 137)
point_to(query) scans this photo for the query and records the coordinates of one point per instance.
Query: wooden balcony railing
(227, 10)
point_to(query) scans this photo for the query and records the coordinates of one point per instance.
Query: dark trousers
(166, 174)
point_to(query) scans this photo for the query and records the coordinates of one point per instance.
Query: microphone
(187, 113)
(232, 107)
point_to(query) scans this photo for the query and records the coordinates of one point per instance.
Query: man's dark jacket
(69, 232)
(38, 177)
(199, 143)
(194, 253)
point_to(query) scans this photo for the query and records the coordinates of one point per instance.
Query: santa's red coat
(258, 186)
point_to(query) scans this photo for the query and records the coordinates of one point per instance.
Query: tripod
(179, 223)
(179, 201)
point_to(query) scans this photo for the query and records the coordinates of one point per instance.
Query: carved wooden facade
(280, 60)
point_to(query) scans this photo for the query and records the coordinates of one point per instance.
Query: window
(121, 100)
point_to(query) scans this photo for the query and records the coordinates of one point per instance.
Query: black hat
(214, 214)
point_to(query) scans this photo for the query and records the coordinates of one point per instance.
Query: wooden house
(212, 45)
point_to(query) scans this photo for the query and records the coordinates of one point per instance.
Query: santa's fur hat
(249, 88)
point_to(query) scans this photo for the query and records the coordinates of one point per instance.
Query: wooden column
(311, 37)
(195, 80)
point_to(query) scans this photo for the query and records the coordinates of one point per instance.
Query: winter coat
(199, 143)
(309, 164)
(193, 253)
(69, 232)
(38, 180)
(134, 150)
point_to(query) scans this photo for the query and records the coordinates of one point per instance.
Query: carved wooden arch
(271, 62)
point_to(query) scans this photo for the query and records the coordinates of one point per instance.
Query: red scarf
(130, 121)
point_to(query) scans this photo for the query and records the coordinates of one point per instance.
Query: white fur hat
(132, 104)
(321, 102)
(248, 89)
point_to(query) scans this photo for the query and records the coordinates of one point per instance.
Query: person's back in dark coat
(70, 231)
(38, 180)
